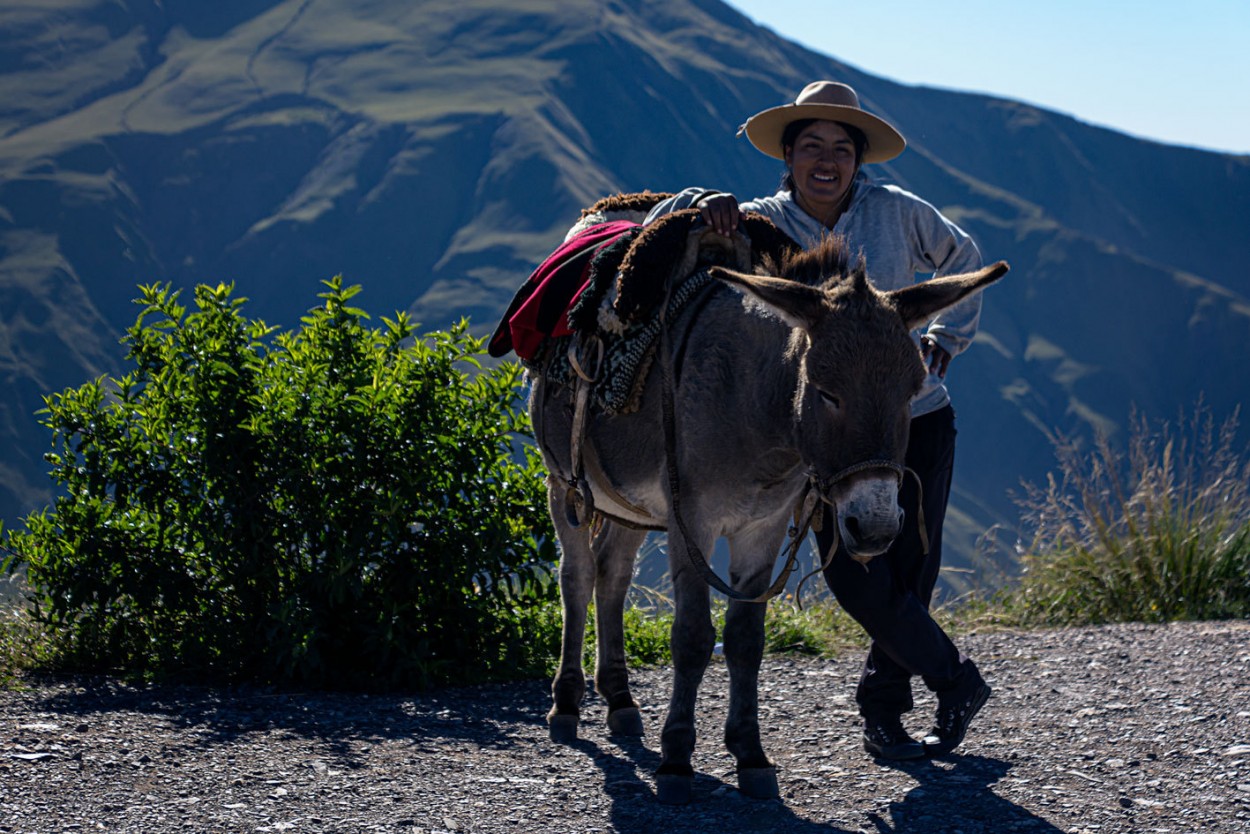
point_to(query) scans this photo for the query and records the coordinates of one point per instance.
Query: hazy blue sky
(1174, 72)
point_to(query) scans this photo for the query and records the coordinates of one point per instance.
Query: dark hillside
(435, 152)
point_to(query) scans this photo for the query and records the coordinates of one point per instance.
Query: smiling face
(822, 164)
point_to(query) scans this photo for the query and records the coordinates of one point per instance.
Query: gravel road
(1125, 728)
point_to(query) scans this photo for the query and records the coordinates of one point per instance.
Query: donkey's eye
(830, 400)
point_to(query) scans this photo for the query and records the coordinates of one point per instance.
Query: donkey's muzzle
(867, 537)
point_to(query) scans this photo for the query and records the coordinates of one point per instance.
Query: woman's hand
(720, 211)
(936, 359)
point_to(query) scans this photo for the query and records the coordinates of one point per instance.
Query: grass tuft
(1158, 534)
(821, 628)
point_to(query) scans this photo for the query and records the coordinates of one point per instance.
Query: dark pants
(891, 598)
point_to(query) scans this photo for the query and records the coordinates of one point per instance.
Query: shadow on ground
(951, 795)
(956, 794)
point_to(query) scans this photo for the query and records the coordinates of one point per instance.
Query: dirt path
(1113, 729)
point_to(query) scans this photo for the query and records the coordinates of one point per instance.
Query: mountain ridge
(436, 153)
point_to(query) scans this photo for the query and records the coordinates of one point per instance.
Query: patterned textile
(583, 315)
(627, 356)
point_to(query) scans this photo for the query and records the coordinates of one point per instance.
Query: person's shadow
(951, 795)
(955, 794)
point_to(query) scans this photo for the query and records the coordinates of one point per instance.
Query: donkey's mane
(826, 263)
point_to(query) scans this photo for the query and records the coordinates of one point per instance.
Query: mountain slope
(435, 152)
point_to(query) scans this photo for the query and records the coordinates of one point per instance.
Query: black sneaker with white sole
(885, 738)
(954, 713)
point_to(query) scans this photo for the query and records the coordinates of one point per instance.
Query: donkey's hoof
(674, 788)
(626, 721)
(758, 782)
(563, 728)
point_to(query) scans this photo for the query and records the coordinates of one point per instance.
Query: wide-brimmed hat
(829, 100)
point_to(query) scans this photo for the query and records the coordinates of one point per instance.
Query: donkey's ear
(798, 304)
(921, 302)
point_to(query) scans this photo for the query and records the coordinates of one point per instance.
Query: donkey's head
(858, 371)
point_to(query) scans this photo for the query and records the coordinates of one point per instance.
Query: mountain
(435, 151)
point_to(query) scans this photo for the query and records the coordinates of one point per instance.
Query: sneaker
(954, 713)
(885, 738)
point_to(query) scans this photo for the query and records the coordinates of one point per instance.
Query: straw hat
(829, 100)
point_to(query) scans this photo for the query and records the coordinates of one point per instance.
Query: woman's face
(822, 163)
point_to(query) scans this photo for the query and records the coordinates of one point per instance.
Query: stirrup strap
(579, 502)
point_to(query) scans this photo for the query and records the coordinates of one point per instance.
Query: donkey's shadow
(636, 810)
(953, 794)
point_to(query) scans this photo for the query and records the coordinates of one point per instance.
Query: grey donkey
(780, 385)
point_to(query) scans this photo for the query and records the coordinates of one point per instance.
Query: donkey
(779, 385)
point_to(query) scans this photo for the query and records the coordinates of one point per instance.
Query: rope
(579, 503)
(833, 547)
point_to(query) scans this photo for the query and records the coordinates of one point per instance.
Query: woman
(824, 137)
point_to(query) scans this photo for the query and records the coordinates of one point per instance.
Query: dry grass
(1158, 533)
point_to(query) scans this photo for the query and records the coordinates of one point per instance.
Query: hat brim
(765, 129)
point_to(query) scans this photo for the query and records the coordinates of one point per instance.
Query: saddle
(595, 301)
(596, 243)
(540, 308)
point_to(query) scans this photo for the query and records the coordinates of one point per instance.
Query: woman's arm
(946, 249)
(719, 210)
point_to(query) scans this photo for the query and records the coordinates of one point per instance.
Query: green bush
(1161, 534)
(335, 505)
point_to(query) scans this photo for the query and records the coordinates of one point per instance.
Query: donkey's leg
(577, 582)
(615, 548)
(693, 637)
(750, 572)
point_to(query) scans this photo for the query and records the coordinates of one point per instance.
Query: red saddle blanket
(539, 309)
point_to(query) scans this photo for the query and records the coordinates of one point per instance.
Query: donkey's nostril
(852, 527)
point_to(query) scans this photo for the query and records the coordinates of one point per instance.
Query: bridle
(817, 492)
(824, 486)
